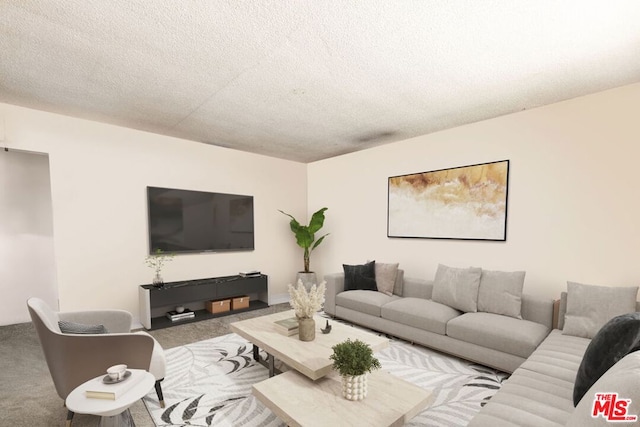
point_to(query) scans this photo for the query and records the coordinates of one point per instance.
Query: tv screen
(183, 221)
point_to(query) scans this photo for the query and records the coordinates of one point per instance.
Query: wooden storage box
(240, 302)
(218, 306)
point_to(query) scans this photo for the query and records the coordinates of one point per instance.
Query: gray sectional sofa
(540, 392)
(543, 361)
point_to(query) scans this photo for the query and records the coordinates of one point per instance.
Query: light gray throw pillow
(589, 307)
(386, 277)
(457, 287)
(500, 292)
(79, 328)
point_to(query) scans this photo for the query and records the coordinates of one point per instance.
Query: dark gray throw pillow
(79, 328)
(617, 338)
(360, 277)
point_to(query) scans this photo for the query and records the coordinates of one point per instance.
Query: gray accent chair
(75, 358)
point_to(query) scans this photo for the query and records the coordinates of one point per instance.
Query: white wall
(27, 262)
(99, 175)
(574, 195)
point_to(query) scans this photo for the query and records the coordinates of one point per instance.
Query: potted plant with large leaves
(354, 360)
(306, 239)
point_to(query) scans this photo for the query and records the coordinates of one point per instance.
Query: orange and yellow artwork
(468, 202)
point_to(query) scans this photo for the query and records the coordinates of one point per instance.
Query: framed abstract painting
(466, 203)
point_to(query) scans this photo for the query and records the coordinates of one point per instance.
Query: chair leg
(159, 393)
(70, 415)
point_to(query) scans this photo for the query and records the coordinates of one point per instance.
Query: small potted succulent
(354, 360)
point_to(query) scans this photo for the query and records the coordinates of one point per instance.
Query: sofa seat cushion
(540, 391)
(502, 333)
(528, 399)
(559, 356)
(368, 302)
(420, 313)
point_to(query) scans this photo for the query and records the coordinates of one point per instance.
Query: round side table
(114, 413)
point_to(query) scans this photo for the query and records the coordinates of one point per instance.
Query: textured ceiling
(307, 80)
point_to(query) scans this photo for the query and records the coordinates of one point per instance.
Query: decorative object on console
(240, 302)
(157, 261)
(221, 306)
(354, 360)
(467, 203)
(175, 316)
(305, 237)
(306, 304)
(617, 338)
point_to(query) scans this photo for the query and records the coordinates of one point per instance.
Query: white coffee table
(310, 358)
(113, 412)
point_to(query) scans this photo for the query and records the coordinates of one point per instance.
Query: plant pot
(308, 279)
(354, 387)
(306, 329)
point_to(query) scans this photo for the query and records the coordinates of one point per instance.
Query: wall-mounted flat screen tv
(184, 221)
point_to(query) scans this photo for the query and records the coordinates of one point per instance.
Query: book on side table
(287, 326)
(100, 390)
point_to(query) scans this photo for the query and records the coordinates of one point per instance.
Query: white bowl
(116, 372)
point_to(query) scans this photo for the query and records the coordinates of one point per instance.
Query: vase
(354, 387)
(306, 329)
(157, 281)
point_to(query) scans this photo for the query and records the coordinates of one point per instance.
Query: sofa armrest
(115, 321)
(334, 285)
(538, 309)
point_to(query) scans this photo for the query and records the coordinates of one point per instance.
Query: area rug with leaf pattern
(209, 383)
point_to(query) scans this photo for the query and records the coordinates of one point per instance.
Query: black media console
(156, 302)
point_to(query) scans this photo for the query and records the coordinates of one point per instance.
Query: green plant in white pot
(354, 360)
(306, 238)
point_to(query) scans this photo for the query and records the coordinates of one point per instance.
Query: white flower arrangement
(157, 260)
(306, 303)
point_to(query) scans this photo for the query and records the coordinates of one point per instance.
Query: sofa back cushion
(398, 288)
(590, 307)
(386, 274)
(500, 292)
(457, 287)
